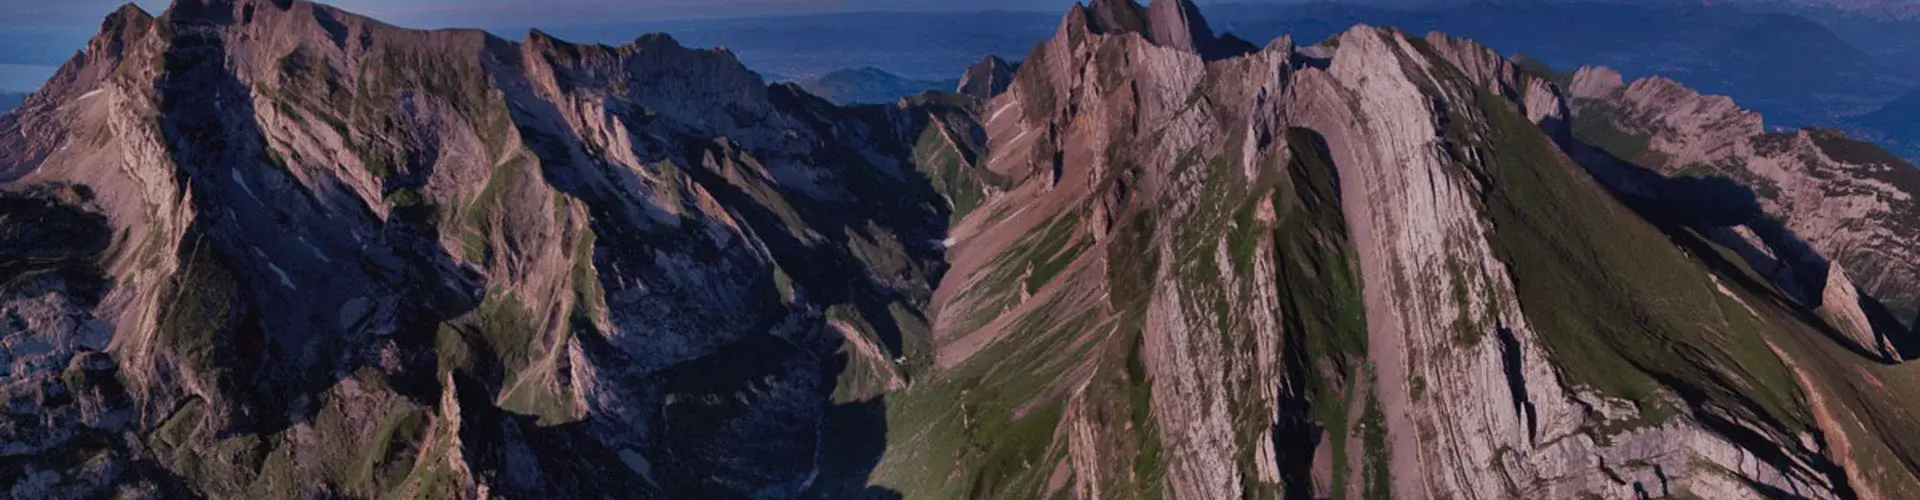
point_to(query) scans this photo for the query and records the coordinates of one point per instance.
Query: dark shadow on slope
(853, 439)
(755, 413)
(1887, 329)
(254, 309)
(1715, 401)
(1510, 360)
(1323, 332)
(42, 234)
(52, 242)
(1686, 207)
(1762, 446)
(520, 458)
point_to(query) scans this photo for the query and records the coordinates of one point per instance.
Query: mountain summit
(1168, 23)
(270, 248)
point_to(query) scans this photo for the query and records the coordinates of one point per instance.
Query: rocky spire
(987, 78)
(1115, 17)
(1167, 23)
(1178, 24)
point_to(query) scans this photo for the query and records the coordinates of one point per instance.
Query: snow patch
(284, 280)
(316, 250)
(238, 181)
(638, 463)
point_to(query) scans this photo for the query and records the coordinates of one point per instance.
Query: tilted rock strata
(1102, 123)
(515, 263)
(1850, 202)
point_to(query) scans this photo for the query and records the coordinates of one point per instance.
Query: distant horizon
(39, 38)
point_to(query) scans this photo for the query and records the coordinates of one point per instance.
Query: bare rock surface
(1848, 201)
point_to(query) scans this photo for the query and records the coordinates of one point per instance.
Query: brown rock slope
(1814, 195)
(315, 255)
(1360, 267)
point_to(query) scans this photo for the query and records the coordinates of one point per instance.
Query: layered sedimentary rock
(1820, 196)
(1215, 193)
(320, 255)
(987, 78)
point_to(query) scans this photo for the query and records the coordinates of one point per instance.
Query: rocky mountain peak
(658, 73)
(1168, 23)
(1593, 82)
(1178, 24)
(987, 78)
(1111, 17)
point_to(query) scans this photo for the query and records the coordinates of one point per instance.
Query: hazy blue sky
(69, 14)
(37, 35)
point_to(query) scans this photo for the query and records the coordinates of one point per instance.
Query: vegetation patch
(1619, 306)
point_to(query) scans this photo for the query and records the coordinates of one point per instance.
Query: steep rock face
(1814, 194)
(1175, 224)
(1446, 317)
(987, 78)
(514, 264)
(1844, 309)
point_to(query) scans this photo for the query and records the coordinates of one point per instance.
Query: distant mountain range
(1794, 69)
(1896, 125)
(10, 100)
(869, 85)
(1796, 63)
(916, 45)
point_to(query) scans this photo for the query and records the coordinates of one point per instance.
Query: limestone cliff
(1361, 266)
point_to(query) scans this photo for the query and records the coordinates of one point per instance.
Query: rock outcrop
(987, 78)
(1815, 195)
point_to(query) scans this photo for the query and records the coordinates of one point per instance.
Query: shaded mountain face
(257, 248)
(867, 86)
(1827, 206)
(314, 254)
(1897, 125)
(987, 78)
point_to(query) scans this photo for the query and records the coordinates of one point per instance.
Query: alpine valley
(273, 249)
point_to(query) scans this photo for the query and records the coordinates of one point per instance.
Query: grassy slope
(1623, 309)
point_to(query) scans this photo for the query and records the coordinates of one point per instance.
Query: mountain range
(1799, 64)
(10, 100)
(868, 85)
(271, 248)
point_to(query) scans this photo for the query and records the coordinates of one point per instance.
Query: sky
(69, 14)
(36, 36)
